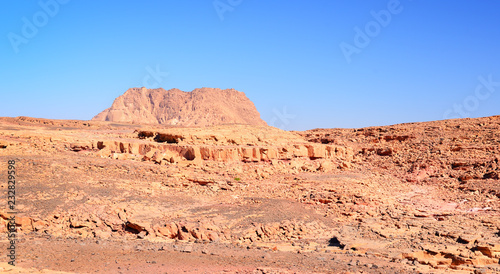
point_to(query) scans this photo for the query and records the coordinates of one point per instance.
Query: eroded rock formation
(200, 107)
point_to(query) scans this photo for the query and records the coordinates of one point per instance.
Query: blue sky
(429, 60)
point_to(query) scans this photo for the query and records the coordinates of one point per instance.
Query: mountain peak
(200, 107)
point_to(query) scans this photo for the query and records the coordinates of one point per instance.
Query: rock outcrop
(200, 107)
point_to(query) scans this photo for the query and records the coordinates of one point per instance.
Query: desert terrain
(96, 196)
(201, 195)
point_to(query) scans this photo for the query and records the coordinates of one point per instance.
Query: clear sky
(305, 64)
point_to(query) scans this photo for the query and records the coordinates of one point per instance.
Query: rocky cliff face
(200, 107)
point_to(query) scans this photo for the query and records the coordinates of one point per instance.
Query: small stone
(142, 234)
(188, 249)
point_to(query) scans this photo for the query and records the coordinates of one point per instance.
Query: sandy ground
(398, 199)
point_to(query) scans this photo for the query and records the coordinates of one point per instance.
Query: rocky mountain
(200, 107)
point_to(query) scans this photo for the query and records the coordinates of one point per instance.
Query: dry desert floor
(124, 198)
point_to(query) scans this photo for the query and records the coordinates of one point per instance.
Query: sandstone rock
(316, 151)
(300, 151)
(492, 251)
(113, 222)
(78, 222)
(192, 153)
(213, 236)
(267, 154)
(136, 226)
(200, 107)
(247, 154)
(491, 175)
(40, 225)
(326, 166)
(134, 148)
(80, 146)
(25, 223)
(168, 156)
(184, 233)
(384, 151)
(469, 238)
(170, 230)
